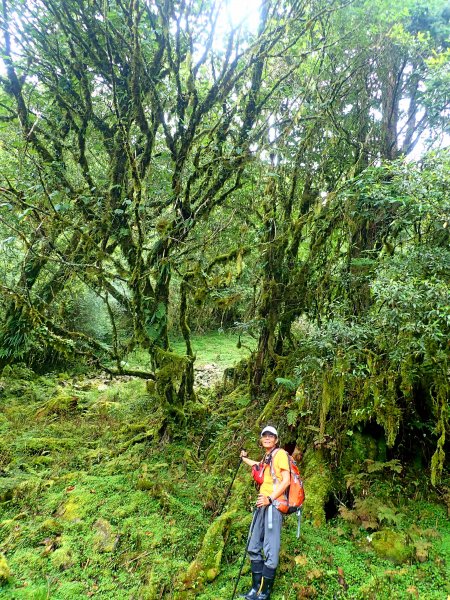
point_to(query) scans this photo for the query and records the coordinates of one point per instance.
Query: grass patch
(214, 347)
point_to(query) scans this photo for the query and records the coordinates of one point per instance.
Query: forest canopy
(165, 170)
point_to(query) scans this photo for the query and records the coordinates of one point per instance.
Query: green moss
(50, 527)
(39, 592)
(144, 484)
(18, 371)
(6, 454)
(73, 509)
(134, 428)
(206, 566)
(363, 447)
(48, 531)
(391, 545)
(69, 590)
(41, 461)
(44, 445)
(5, 572)
(17, 488)
(149, 592)
(273, 407)
(62, 558)
(318, 485)
(61, 404)
(332, 394)
(442, 412)
(28, 560)
(104, 538)
(7, 488)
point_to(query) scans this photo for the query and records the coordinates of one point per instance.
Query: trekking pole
(229, 489)
(245, 552)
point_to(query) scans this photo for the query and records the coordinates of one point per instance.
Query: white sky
(246, 12)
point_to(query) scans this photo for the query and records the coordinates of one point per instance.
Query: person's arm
(248, 461)
(278, 489)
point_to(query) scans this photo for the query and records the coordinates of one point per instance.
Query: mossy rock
(73, 509)
(318, 485)
(61, 404)
(16, 488)
(206, 566)
(7, 490)
(51, 527)
(134, 428)
(143, 484)
(422, 549)
(5, 572)
(104, 538)
(26, 488)
(30, 559)
(145, 436)
(391, 545)
(149, 479)
(62, 558)
(41, 461)
(149, 592)
(153, 586)
(68, 589)
(6, 454)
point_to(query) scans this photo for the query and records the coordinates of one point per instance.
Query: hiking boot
(257, 568)
(265, 590)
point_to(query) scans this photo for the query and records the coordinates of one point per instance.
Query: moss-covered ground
(93, 505)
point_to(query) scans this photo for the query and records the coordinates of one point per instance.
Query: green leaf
(287, 383)
(160, 310)
(292, 417)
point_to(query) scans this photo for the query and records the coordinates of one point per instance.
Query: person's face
(268, 441)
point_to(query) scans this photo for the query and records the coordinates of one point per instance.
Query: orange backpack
(294, 496)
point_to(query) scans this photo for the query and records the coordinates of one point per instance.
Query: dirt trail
(208, 375)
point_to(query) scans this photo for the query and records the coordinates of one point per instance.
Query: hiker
(266, 532)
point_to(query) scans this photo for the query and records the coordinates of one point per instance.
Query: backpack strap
(299, 521)
(272, 470)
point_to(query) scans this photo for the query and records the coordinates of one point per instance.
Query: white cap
(269, 429)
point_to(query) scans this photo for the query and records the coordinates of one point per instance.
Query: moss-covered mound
(206, 566)
(391, 545)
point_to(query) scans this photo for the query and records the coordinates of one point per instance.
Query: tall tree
(357, 100)
(136, 122)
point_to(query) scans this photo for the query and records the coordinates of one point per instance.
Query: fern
(287, 383)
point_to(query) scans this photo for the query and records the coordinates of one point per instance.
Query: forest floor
(93, 505)
(214, 353)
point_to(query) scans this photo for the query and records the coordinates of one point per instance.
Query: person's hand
(243, 454)
(262, 501)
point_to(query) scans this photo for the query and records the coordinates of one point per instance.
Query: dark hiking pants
(266, 537)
